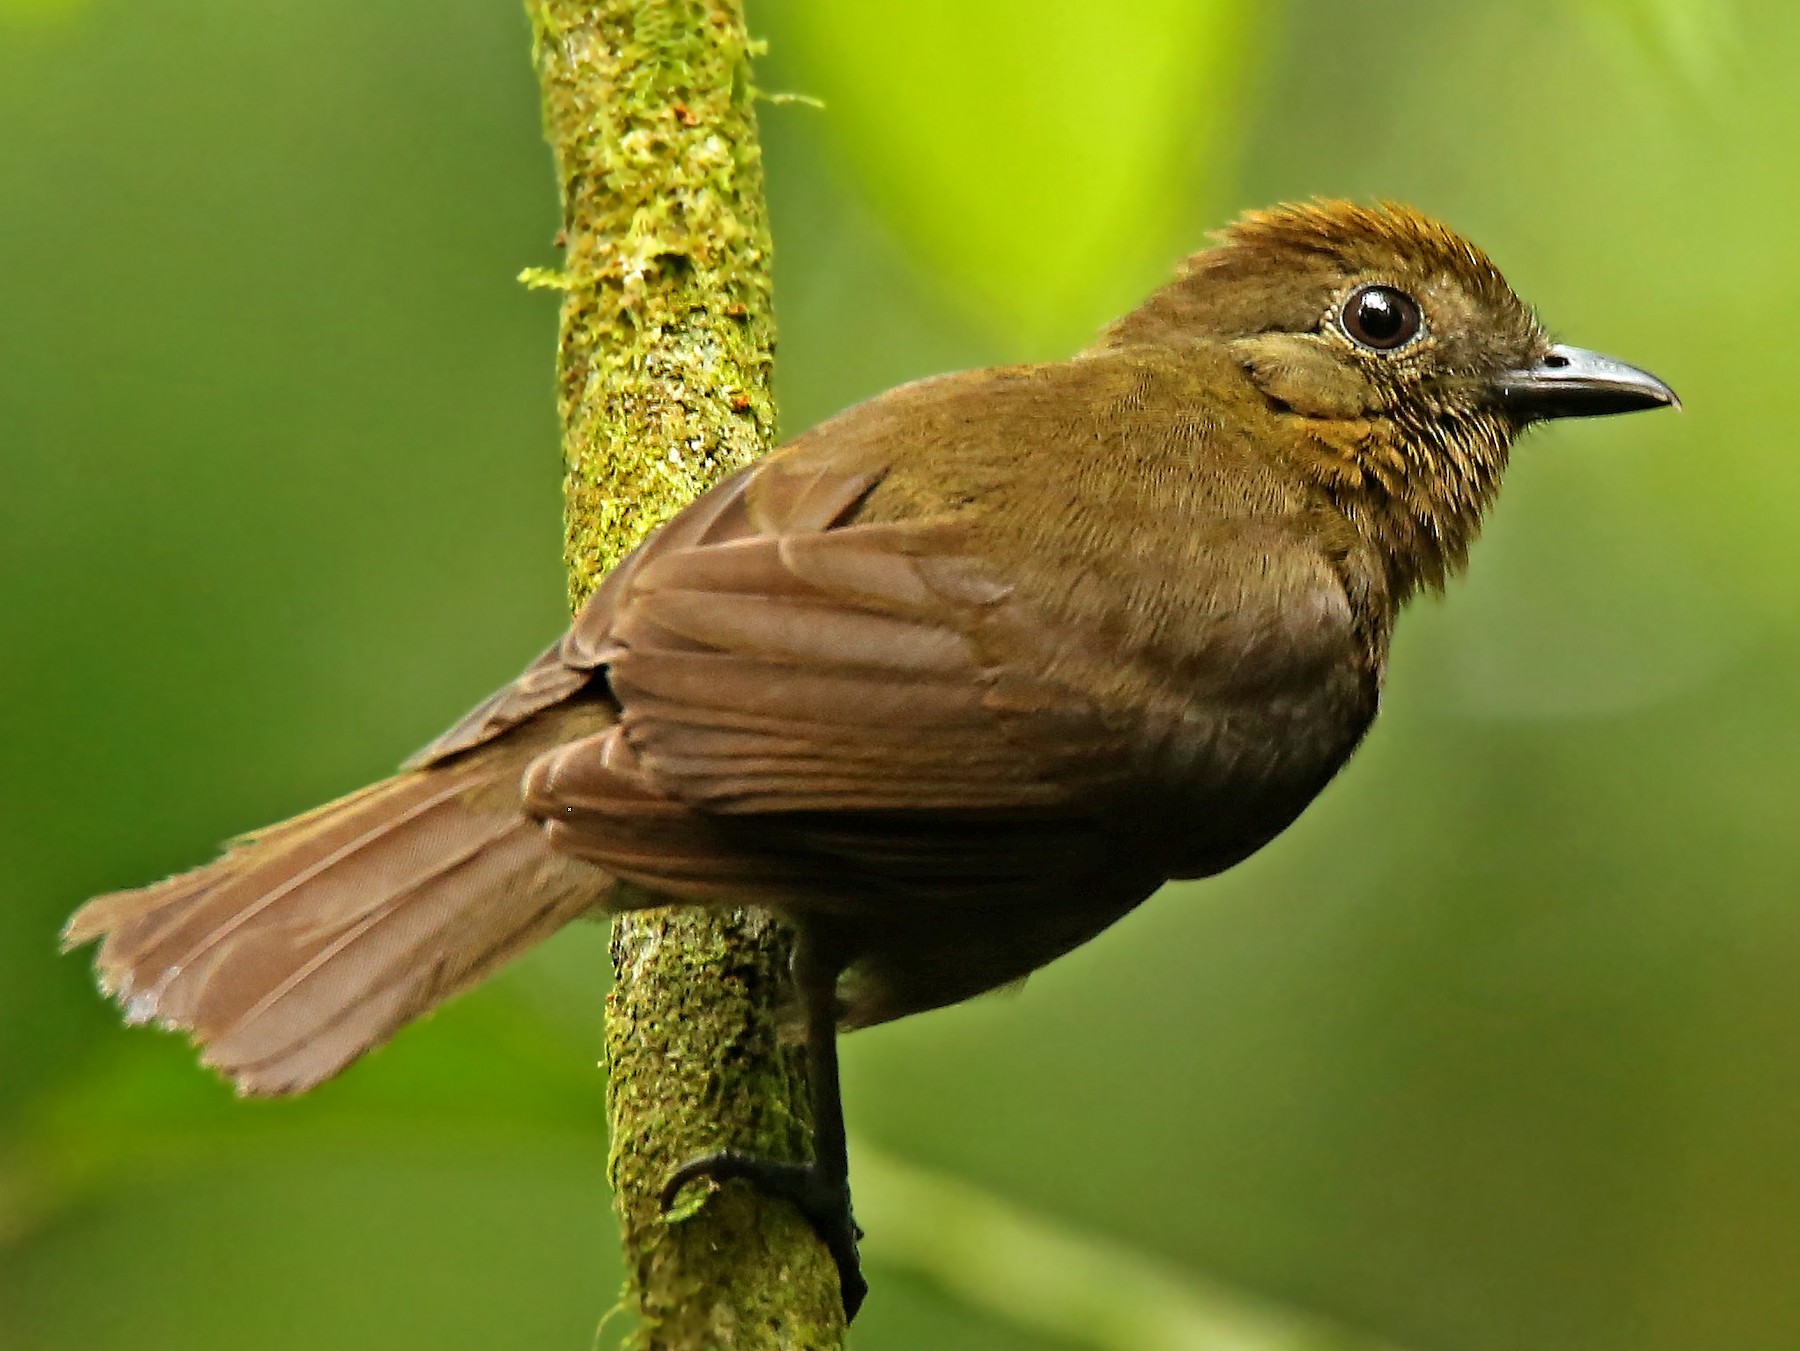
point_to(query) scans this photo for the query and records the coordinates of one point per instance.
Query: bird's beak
(1574, 382)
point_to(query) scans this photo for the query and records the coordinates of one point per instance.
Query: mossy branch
(664, 365)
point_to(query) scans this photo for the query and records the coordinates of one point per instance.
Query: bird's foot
(823, 1200)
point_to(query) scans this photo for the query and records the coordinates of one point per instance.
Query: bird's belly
(1237, 777)
(1226, 780)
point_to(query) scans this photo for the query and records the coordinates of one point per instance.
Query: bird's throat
(1417, 491)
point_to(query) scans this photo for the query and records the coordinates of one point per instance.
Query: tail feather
(314, 940)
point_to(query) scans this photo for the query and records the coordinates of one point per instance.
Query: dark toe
(825, 1203)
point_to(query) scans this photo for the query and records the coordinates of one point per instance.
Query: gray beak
(1574, 382)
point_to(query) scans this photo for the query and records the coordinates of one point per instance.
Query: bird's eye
(1381, 317)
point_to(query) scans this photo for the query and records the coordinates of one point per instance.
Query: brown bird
(953, 681)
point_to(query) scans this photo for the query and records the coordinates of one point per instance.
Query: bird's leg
(819, 1190)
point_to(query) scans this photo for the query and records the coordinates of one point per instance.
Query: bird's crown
(1356, 237)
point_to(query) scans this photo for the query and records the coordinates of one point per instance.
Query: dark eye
(1381, 317)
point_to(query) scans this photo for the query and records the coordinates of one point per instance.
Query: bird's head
(1396, 351)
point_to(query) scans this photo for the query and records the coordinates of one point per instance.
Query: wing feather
(779, 685)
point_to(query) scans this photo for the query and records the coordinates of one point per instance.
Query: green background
(1497, 1050)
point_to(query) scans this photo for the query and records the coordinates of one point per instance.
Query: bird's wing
(829, 692)
(771, 657)
(842, 671)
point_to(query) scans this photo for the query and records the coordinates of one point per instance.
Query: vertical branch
(663, 377)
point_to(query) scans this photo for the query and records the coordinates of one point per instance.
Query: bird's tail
(314, 940)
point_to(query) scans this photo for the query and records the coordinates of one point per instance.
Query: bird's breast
(1236, 777)
(1234, 669)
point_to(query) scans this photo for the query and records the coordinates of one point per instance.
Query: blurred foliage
(1494, 1051)
(1694, 41)
(1099, 125)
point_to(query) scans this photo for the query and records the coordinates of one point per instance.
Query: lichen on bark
(667, 331)
(663, 374)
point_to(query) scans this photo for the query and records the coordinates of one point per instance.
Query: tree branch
(663, 369)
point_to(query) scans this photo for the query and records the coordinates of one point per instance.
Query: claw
(822, 1201)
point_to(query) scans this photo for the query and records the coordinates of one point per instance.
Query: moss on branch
(667, 330)
(664, 366)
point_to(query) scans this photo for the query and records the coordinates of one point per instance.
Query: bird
(952, 681)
